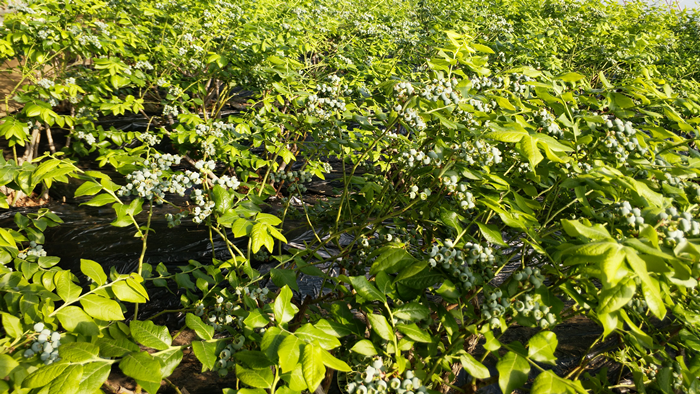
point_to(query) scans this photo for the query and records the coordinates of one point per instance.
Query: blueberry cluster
(327, 101)
(638, 305)
(87, 137)
(170, 110)
(208, 148)
(548, 123)
(632, 216)
(485, 83)
(529, 307)
(150, 183)
(229, 182)
(175, 220)
(295, 179)
(411, 117)
(375, 379)
(33, 250)
(46, 345)
(414, 158)
(45, 83)
(480, 105)
(693, 192)
(414, 191)
(442, 89)
(529, 275)
(90, 39)
(494, 307)
(519, 86)
(403, 91)
(149, 139)
(143, 64)
(673, 180)
(225, 359)
(218, 316)
(678, 226)
(217, 129)
(397, 234)
(205, 166)
(464, 198)
(204, 206)
(465, 264)
(478, 152)
(621, 139)
(324, 108)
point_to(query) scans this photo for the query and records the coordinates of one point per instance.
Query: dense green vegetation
(492, 163)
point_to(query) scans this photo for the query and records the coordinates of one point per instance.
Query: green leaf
(333, 328)
(575, 228)
(391, 260)
(253, 359)
(68, 381)
(616, 297)
(451, 219)
(491, 233)
(289, 352)
(548, 383)
(271, 341)
(256, 319)
(183, 280)
(542, 347)
(144, 368)
(45, 375)
(94, 375)
(512, 372)
(415, 333)
(202, 330)
(527, 146)
(65, 287)
(116, 347)
(333, 363)
(312, 366)
(311, 334)
(7, 364)
(88, 188)
(150, 335)
(258, 378)
(260, 236)
(101, 308)
(650, 286)
(74, 319)
(12, 325)
(365, 347)
(571, 77)
(282, 277)
(169, 360)
(125, 291)
(473, 367)
(381, 326)
(94, 271)
(283, 308)
(48, 261)
(206, 354)
(100, 200)
(367, 290)
(412, 311)
(506, 136)
(79, 352)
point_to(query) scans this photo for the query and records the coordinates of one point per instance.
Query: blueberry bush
(490, 165)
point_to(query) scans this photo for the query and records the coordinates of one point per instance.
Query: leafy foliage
(491, 165)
